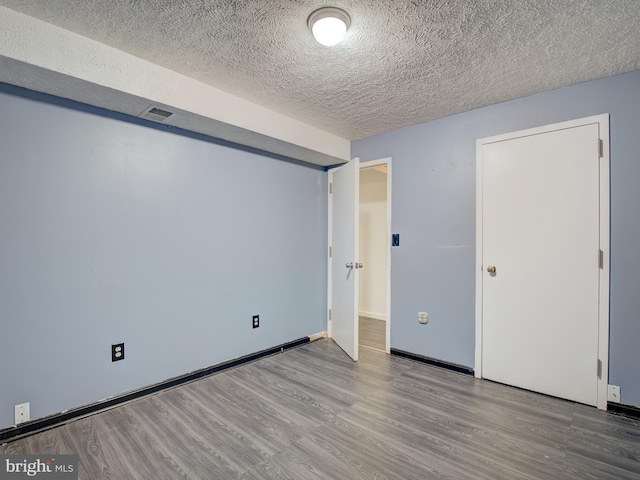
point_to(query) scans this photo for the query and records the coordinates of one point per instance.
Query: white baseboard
(377, 316)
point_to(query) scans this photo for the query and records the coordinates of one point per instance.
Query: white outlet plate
(21, 413)
(423, 317)
(613, 394)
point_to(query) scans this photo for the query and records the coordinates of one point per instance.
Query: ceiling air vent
(156, 114)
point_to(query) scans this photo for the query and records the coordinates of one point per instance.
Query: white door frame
(376, 163)
(373, 163)
(603, 314)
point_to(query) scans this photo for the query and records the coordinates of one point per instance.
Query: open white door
(343, 257)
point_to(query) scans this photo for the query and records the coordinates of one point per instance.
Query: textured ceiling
(402, 62)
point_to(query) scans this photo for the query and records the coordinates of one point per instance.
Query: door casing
(376, 163)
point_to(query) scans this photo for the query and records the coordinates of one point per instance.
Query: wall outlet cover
(613, 394)
(256, 321)
(423, 318)
(117, 352)
(22, 413)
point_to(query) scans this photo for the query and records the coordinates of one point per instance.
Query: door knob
(349, 265)
(359, 265)
(491, 269)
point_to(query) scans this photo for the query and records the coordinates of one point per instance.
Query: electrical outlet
(256, 321)
(613, 394)
(423, 318)
(117, 352)
(21, 413)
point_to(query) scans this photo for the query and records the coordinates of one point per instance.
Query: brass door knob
(491, 269)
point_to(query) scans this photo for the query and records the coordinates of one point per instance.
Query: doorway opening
(374, 253)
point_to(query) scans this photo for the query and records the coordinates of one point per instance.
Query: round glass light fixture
(329, 25)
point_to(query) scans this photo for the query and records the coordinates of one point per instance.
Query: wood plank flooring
(312, 413)
(372, 333)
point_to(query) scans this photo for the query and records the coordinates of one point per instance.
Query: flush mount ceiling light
(329, 25)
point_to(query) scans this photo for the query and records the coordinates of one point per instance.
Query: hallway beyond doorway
(372, 333)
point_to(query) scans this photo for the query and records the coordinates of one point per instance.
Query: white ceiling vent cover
(156, 114)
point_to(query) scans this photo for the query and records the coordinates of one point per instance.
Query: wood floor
(312, 413)
(372, 333)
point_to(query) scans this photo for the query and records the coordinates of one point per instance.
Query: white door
(343, 262)
(541, 234)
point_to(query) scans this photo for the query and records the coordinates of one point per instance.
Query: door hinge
(599, 368)
(330, 187)
(600, 148)
(601, 259)
(330, 251)
(329, 314)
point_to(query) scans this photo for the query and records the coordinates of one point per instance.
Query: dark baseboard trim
(45, 423)
(622, 409)
(433, 361)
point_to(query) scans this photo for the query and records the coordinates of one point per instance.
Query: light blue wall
(434, 212)
(111, 231)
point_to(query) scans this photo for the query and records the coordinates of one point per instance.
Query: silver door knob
(349, 265)
(491, 269)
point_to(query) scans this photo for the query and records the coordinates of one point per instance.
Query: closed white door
(343, 262)
(540, 261)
